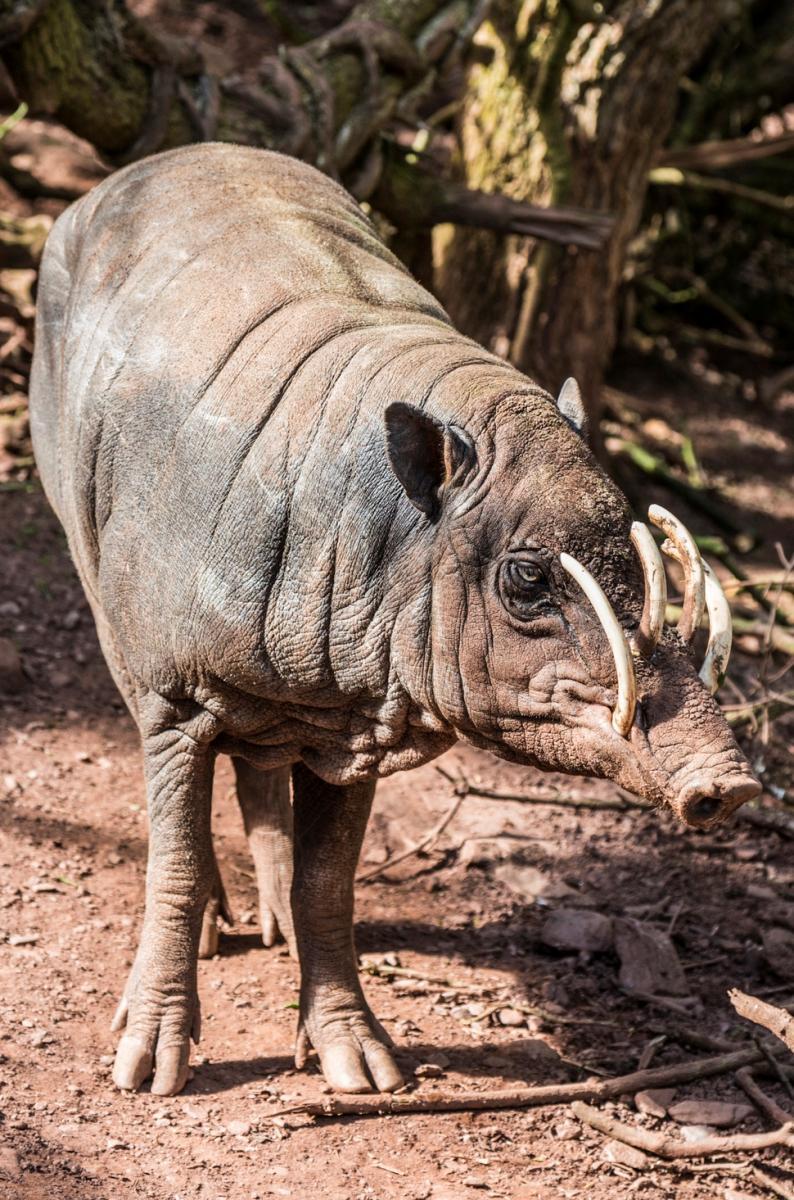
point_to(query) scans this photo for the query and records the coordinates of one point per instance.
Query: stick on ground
(656, 1142)
(532, 1097)
(775, 1019)
(765, 1104)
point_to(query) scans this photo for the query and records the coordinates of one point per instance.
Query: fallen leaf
(648, 960)
(577, 929)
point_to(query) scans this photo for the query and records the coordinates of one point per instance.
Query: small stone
(10, 608)
(428, 1071)
(9, 1164)
(238, 1128)
(625, 1156)
(717, 1114)
(567, 1131)
(71, 620)
(23, 939)
(779, 951)
(116, 1144)
(60, 679)
(655, 1101)
(511, 1017)
(82, 756)
(475, 1181)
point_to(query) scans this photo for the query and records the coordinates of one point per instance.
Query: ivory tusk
(684, 550)
(623, 716)
(653, 609)
(718, 651)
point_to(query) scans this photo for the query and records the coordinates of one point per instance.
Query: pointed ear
(569, 402)
(425, 454)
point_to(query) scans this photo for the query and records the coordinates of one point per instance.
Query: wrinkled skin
(319, 531)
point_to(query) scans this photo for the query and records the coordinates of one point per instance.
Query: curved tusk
(683, 549)
(653, 609)
(718, 651)
(623, 716)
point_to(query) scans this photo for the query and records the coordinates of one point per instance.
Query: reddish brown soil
(72, 854)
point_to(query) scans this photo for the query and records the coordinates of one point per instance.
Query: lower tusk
(718, 651)
(653, 609)
(623, 716)
(684, 550)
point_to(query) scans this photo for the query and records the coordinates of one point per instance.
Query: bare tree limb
(656, 1142)
(775, 1019)
(532, 1097)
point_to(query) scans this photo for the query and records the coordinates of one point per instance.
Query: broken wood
(769, 1016)
(531, 1097)
(662, 1144)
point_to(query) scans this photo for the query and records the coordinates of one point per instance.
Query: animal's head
(548, 644)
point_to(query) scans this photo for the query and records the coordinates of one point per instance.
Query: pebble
(511, 1016)
(238, 1128)
(9, 1164)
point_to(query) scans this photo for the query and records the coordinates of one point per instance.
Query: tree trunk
(571, 110)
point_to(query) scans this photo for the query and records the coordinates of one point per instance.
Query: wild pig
(324, 533)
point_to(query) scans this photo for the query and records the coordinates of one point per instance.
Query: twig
(775, 1019)
(773, 1183)
(551, 797)
(768, 818)
(765, 1104)
(417, 847)
(661, 1144)
(532, 1097)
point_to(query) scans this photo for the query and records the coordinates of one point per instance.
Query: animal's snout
(707, 801)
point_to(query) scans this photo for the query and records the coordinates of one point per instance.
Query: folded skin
(324, 533)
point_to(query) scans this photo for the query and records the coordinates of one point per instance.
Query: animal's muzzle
(702, 591)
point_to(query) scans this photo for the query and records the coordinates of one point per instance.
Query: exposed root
(775, 1019)
(653, 1141)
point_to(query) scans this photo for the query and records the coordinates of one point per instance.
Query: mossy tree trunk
(571, 110)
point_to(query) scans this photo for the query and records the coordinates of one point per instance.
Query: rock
(9, 1164)
(12, 677)
(625, 1156)
(10, 608)
(239, 1128)
(428, 1071)
(23, 939)
(779, 951)
(567, 1131)
(530, 883)
(717, 1114)
(655, 1101)
(510, 1017)
(71, 620)
(577, 929)
(648, 960)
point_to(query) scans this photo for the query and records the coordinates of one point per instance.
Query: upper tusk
(623, 716)
(718, 650)
(688, 555)
(653, 609)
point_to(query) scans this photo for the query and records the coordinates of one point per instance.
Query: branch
(710, 156)
(776, 1020)
(661, 1144)
(426, 841)
(533, 1097)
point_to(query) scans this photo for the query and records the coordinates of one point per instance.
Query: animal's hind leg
(217, 908)
(264, 798)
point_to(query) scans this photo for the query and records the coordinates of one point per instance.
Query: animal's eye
(523, 586)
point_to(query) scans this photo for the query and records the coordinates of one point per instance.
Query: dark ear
(569, 402)
(425, 454)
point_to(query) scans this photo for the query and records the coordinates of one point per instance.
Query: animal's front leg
(159, 1011)
(334, 1016)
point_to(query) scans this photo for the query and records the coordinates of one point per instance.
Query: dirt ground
(475, 998)
(473, 995)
